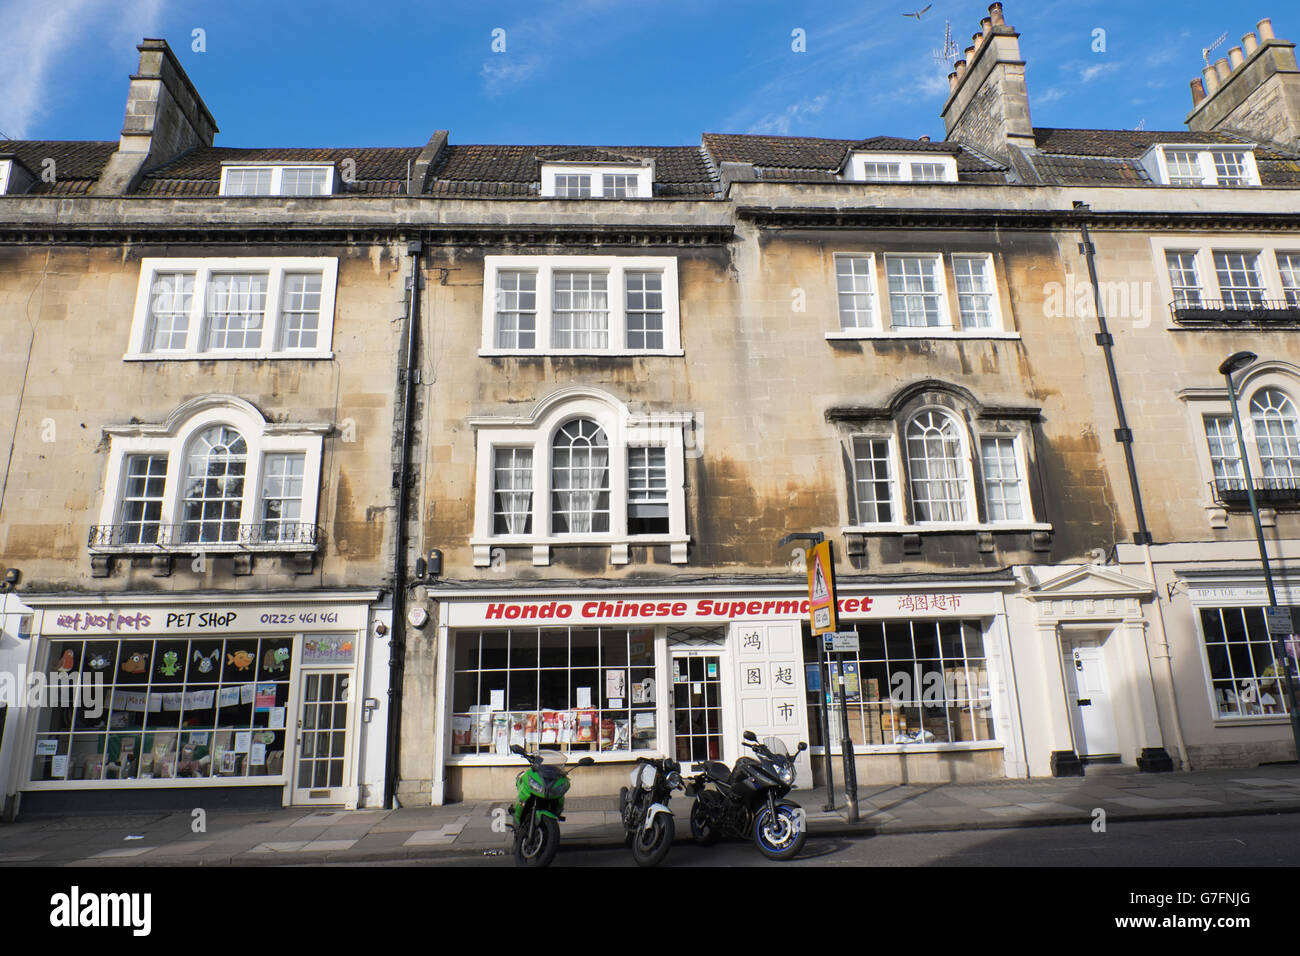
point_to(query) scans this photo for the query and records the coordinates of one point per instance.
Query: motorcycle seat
(716, 770)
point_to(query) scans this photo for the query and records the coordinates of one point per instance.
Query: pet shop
(234, 700)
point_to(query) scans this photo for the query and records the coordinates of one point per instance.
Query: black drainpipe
(1123, 434)
(401, 481)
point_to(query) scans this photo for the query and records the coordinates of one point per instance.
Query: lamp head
(1236, 361)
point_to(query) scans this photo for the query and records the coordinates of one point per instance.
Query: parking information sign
(1279, 621)
(841, 641)
(821, 589)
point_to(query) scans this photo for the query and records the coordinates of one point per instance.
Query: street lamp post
(1234, 363)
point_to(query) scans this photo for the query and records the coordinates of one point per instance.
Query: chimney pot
(986, 26)
(952, 81)
(1211, 80)
(1198, 91)
(960, 67)
(1265, 28)
(923, 139)
(1222, 68)
(1236, 56)
(1250, 42)
(995, 14)
(970, 53)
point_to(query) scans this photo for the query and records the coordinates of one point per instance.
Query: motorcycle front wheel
(704, 832)
(536, 845)
(780, 836)
(649, 847)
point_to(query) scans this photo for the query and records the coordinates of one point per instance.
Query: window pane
(1277, 436)
(1247, 673)
(1239, 282)
(938, 479)
(282, 493)
(873, 482)
(645, 310)
(573, 186)
(647, 492)
(142, 499)
(512, 495)
(170, 301)
(516, 310)
(236, 305)
(857, 292)
(1184, 168)
(580, 316)
(914, 291)
(214, 486)
(300, 310)
(1230, 168)
(1183, 279)
(1002, 488)
(248, 181)
(580, 479)
(1288, 266)
(974, 291)
(1225, 460)
(303, 181)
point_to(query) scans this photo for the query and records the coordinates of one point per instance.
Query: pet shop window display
(171, 709)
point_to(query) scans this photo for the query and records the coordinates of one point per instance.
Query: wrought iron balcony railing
(1235, 314)
(1269, 492)
(150, 538)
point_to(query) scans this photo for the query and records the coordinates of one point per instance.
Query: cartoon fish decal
(241, 660)
(136, 663)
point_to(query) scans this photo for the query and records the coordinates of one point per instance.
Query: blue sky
(630, 72)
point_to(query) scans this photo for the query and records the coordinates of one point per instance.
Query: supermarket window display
(166, 709)
(583, 689)
(911, 682)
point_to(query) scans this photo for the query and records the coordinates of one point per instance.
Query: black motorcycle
(749, 800)
(647, 822)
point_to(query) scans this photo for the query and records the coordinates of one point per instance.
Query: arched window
(938, 477)
(580, 479)
(214, 485)
(1277, 433)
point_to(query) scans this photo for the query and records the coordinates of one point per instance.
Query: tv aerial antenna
(948, 54)
(1207, 50)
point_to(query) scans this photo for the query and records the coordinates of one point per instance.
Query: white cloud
(1050, 95)
(1090, 73)
(532, 43)
(781, 124)
(39, 36)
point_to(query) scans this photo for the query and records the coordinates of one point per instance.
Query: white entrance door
(320, 765)
(1088, 698)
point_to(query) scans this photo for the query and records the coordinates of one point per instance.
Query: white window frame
(1212, 402)
(858, 161)
(644, 178)
(1156, 163)
(277, 179)
(537, 431)
(874, 317)
(901, 481)
(1204, 247)
(949, 308)
(272, 332)
(545, 268)
(6, 170)
(1022, 477)
(173, 438)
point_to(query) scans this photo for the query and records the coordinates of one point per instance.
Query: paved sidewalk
(466, 832)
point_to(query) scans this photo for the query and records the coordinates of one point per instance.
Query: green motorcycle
(539, 805)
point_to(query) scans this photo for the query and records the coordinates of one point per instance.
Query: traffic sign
(821, 588)
(1279, 621)
(841, 641)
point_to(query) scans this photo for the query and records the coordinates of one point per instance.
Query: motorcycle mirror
(586, 762)
(802, 746)
(751, 736)
(516, 749)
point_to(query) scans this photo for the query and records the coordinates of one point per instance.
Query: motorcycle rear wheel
(539, 848)
(623, 797)
(782, 836)
(704, 832)
(649, 847)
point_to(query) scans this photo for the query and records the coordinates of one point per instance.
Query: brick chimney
(988, 104)
(165, 117)
(1255, 92)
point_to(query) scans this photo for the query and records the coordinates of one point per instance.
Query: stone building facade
(985, 369)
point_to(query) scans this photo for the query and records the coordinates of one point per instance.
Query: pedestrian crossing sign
(821, 588)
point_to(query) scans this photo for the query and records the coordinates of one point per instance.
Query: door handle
(1085, 701)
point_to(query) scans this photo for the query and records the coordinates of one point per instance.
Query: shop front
(617, 673)
(201, 701)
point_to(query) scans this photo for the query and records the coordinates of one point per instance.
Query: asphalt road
(1233, 841)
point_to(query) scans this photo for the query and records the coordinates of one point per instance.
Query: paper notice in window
(498, 700)
(59, 766)
(257, 756)
(584, 697)
(246, 692)
(243, 740)
(276, 719)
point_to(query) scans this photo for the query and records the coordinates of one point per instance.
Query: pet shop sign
(189, 620)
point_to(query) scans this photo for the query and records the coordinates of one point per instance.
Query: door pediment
(1089, 592)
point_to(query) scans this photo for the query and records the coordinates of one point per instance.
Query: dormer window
(6, 170)
(277, 180)
(1201, 166)
(612, 181)
(902, 168)
(15, 179)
